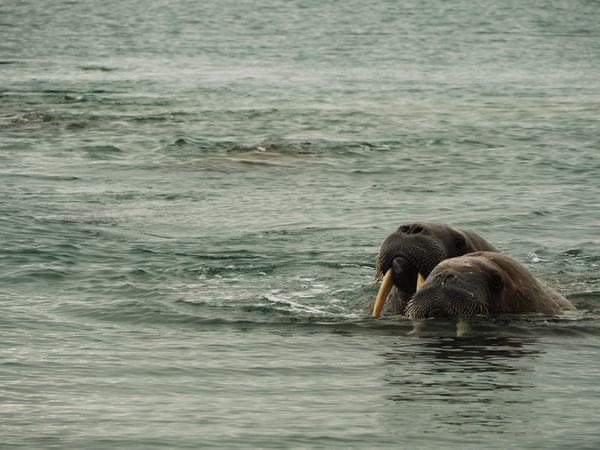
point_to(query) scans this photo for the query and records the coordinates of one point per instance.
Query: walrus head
(456, 288)
(483, 283)
(407, 257)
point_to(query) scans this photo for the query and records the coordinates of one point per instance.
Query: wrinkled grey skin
(483, 283)
(419, 247)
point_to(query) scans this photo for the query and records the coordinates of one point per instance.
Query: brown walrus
(408, 256)
(483, 283)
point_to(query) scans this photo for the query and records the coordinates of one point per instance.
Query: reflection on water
(463, 383)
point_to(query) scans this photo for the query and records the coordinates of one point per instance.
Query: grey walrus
(408, 256)
(483, 283)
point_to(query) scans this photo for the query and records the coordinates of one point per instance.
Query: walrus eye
(460, 242)
(496, 282)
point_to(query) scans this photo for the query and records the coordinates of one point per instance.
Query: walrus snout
(445, 304)
(415, 244)
(449, 293)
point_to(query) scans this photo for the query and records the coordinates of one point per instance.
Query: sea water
(192, 197)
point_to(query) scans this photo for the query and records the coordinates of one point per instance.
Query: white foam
(302, 308)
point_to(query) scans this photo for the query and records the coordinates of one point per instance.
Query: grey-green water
(192, 195)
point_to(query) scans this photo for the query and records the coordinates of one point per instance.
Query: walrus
(407, 257)
(483, 283)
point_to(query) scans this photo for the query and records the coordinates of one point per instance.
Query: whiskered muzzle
(425, 305)
(423, 252)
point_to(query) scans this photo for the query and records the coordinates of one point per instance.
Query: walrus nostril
(405, 228)
(444, 277)
(416, 230)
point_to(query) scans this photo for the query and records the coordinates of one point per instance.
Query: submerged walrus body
(483, 283)
(408, 256)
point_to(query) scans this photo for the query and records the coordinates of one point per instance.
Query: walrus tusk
(386, 287)
(420, 281)
(462, 327)
(384, 290)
